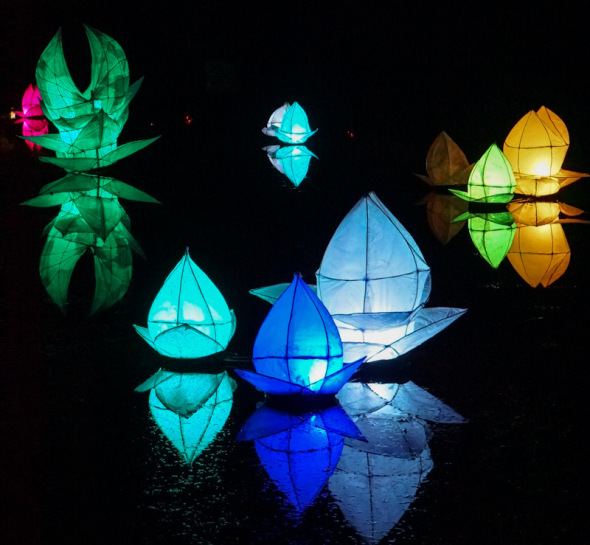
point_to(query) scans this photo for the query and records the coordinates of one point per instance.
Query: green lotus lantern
(91, 218)
(189, 317)
(491, 180)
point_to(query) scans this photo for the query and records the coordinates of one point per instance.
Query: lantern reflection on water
(540, 253)
(190, 408)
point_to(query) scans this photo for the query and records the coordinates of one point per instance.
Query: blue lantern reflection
(298, 348)
(292, 161)
(299, 451)
(376, 481)
(190, 408)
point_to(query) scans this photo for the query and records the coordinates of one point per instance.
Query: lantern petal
(270, 385)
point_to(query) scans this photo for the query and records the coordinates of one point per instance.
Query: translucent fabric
(292, 161)
(190, 408)
(536, 147)
(289, 124)
(491, 179)
(376, 480)
(446, 163)
(372, 264)
(31, 116)
(299, 451)
(189, 317)
(298, 348)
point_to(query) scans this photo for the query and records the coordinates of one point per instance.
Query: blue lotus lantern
(298, 348)
(292, 161)
(190, 408)
(189, 317)
(289, 124)
(299, 451)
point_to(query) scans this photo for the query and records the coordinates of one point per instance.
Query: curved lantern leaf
(298, 348)
(299, 451)
(292, 161)
(491, 180)
(189, 317)
(191, 409)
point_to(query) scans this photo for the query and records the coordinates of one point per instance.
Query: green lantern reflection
(189, 317)
(491, 180)
(292, 161)
(491, 233)
(190, 408)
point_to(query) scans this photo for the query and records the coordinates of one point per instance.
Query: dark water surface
(84, 462)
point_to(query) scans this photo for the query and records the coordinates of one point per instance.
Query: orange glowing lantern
(536, 148)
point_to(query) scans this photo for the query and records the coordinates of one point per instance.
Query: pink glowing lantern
(32, 118)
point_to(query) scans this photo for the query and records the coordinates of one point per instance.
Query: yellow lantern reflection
(536, 148)
(540, 253)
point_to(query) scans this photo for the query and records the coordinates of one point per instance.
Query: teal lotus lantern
(298, 348)
(190, 408)
(289, 124)
(292, 161)
(189, 317)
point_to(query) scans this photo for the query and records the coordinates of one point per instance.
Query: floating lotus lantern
(375, 282)
(91, 219)
(189, 317)
(292, 161)
(492, 234)
(446, 164)
(375, 481)
(298, 348)
(190, 408)
(540, 253)
(289, 124)
(536, 147)
(299, 451)
(31, 116)
(491, 180)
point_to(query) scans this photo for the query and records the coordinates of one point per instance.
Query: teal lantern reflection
(299, 451)
(298, 348)
(190, 408)
(189, 317)
(289, 124)
(292, 161)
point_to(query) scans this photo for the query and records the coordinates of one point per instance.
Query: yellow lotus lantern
(540, 253)
(536, 148)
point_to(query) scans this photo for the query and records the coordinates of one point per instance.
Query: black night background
(82, 462)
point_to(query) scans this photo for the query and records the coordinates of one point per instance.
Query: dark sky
(391, 65)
